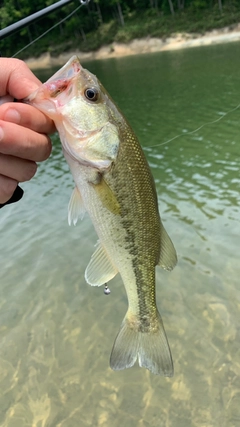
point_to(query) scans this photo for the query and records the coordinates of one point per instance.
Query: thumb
(16, 78)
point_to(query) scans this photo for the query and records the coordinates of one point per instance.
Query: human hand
(24, 130)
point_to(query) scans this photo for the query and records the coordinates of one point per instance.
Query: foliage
(105, 21)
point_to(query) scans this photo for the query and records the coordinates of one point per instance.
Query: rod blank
(31, 18)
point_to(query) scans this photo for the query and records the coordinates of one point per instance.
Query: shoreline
(139, 46)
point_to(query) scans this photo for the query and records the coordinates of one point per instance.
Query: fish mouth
(63, 77)
(69, 70)
(44, 97)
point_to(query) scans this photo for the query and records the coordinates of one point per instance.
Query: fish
(114, 185)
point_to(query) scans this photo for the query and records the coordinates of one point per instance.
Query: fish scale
(115, 186)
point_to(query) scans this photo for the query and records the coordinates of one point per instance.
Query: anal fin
(100, 268)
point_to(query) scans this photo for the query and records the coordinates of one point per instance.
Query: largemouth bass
(115, 186)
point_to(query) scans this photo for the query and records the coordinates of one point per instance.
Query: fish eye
(91, 94)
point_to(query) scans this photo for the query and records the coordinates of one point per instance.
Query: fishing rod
(34, 17)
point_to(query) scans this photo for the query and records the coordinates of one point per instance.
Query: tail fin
(150, 347)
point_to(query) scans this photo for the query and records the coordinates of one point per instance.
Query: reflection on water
(56, 332)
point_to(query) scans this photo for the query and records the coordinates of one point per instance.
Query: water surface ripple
(56, 332)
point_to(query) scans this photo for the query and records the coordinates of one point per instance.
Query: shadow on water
(56, 332)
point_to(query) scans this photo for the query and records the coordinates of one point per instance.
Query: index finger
(27, 116)
(16, 78)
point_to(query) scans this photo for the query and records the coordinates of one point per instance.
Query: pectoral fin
(100, 268)
(107, 197)
(76, 207)
(168, 256)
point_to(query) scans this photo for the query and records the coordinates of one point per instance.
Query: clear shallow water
(56, 332)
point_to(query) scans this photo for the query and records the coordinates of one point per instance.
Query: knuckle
(29, 172)
(47, 149)
(7, 188)
(20, 63)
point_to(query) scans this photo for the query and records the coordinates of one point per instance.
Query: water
(56, 332)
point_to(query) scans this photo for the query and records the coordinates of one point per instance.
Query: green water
(56, 332)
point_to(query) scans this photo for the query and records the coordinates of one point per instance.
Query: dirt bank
(146, 45)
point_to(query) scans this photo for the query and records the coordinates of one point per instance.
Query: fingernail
(12, 116)
(1, 134)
